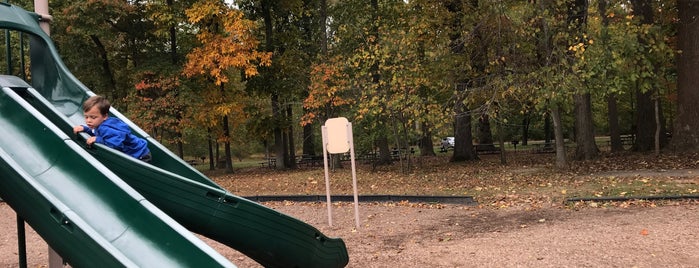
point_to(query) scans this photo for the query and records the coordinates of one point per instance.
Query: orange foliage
(158, 104)
(327, 82)
(227, 42)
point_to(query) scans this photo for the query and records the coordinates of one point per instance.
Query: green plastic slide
(83, 210)
(271, 238)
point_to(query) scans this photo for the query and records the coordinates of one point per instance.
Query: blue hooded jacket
(116, 134)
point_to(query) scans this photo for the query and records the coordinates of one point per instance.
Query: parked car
(447, 143)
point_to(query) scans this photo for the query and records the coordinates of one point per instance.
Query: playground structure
(97, 206)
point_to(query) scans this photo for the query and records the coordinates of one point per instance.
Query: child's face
(93, 117)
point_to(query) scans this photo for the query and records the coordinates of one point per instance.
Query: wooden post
(41, 7)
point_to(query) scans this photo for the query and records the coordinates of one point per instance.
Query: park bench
(544, 148)
(626, 140)
(396, 154)
(486, 148)
(367, 158)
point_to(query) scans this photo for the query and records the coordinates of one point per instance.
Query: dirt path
(413, 235)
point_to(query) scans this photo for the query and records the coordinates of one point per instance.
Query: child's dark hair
(101, 102)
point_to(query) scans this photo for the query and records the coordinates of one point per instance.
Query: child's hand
(77, 129)
(91, 140)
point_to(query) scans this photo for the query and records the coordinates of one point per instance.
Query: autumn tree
(586, 147)
(115, 48)
(647, 91)
(463, 137)
(411, 55)
(394, 64)
(101, 42)
(542, 79)
(168, 17)
(605, 74)
(369, 80)
(227, 44)
(157, 102)
(346, 73)
(426, 76)
(293, 31)
(327, 83)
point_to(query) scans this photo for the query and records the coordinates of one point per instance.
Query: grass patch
(528, 179)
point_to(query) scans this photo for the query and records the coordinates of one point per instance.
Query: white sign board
(338, 141)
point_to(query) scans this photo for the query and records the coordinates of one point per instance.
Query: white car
(447, 143)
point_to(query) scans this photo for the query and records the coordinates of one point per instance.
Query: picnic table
(310, 160)
(269, 162)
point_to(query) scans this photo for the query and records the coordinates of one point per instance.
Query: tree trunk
(384, 151)
(612, 111)
(425, 144)
(547, 128)
(111, 82)
(463, 136)
(645, 123)
(375, 72)
(646, 112)
(657, 127)
(174, 59)
(586, 148)
(463, 139)
(561, 159)
(178, 133)
(323, 30)
(309, 147)
(525, 129)
(309, 144)
(291, 156)
(501, 143)
(613, 120)
(686, 132)
(212, 159)
(227, 137)
(543, 55)
(285, 147)
(217, 150)
(227, 145)
(278, 133)
(485, 134)
(277, 114)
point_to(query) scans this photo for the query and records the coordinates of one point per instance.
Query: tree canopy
(406, 73)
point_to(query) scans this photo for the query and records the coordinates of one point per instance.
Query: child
(110, 131)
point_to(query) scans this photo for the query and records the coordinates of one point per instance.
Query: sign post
(337, 139)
